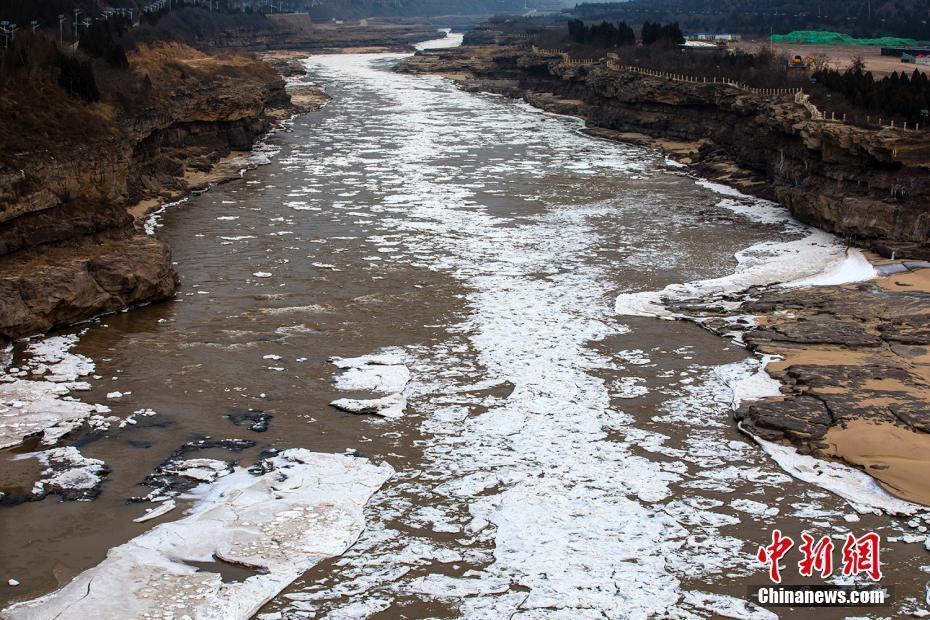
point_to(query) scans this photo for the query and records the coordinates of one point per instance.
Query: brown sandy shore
(853, 360)
(855, 371)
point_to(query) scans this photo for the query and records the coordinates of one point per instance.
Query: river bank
(848, 357)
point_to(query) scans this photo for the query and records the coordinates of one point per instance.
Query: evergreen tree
(76, 75)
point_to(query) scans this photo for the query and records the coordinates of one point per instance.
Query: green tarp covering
(817, 37)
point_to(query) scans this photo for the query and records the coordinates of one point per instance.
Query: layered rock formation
(69, 249)
(870, 185)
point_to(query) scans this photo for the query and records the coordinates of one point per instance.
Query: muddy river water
(562, 454)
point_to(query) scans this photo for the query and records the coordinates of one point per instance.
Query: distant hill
(22, 12)
(327, 9)
(860, 18)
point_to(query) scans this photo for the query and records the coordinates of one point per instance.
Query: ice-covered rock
(181, 472)
(203, 470)
(278, 524)
(70, 474)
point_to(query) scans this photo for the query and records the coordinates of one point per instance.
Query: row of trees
(861, 18)
(895, 95)
(668, 34)
(607, 34)
(604, 34)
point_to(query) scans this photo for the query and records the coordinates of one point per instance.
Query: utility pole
(75, 23)
(61, 29)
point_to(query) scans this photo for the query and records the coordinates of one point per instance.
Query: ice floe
(391, 406)
(36, 398)
(371, 373)
(163, 508)
(279, 524)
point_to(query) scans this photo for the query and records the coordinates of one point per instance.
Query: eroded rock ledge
(854, 364)
(69, 249)
(873, 186)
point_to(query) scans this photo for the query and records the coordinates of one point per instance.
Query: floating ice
(163, 508)
(371, 373)
(629, 387)
(723, 606)
(52, 358)
(391, 406)
(279, 524)
(564, 517)
(42, 404)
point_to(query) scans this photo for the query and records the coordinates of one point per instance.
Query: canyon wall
(69, 247)
(872, 186)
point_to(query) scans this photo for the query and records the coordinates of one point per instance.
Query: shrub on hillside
(77, 77)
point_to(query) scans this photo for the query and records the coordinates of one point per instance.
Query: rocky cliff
(69, 248)
(873, 186)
